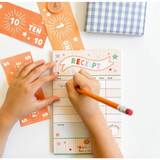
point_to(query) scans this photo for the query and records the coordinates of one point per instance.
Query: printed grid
(116, 17)
(64, 113)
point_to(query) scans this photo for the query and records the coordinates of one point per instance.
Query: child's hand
(20, 99)
(85, 106)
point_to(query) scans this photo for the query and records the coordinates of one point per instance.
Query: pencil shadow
(80, 14)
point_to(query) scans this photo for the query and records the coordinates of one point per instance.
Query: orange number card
(10, 65)
(22, 24)
(61, 27)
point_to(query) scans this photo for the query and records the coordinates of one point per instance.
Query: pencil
(105, 101)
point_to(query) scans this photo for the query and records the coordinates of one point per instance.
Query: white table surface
(140, 87)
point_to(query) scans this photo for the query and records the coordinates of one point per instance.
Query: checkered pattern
(116, 17)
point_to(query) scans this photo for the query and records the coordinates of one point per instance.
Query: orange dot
(108, 53)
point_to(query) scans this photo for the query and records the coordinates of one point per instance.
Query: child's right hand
(102, 140)
(84, 105)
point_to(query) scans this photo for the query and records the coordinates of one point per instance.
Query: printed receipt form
(70, 134)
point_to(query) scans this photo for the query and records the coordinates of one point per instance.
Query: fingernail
(56, 100)
(52, 62)
(56, 73)
(42, 60)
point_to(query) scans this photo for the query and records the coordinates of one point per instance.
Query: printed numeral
(38, 41)
(28, 57)
(6, 64)
(45, 114)
(15, 21)
(24, 120)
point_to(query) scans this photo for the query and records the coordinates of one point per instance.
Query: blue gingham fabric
(116, 17)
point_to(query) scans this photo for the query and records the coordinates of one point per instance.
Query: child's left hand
(20, 99)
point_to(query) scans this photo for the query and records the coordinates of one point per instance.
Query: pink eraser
(129, 112)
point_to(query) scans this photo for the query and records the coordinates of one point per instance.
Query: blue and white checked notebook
(116, 17)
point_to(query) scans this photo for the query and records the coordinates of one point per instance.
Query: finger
(86, 74)
(80, 80)
(46, 102)
(71, 88)
(21, 68)
(42, 80)
(38, 71)
(30, 68)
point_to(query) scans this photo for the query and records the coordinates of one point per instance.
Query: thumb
(46, 102)
(71, 88)
(80, 80)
